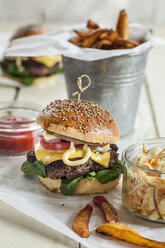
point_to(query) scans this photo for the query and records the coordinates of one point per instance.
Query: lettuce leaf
(23, 75)
(36, 168)
(68, 186)
(105, 176)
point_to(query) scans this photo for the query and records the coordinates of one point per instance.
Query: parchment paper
(28, 196)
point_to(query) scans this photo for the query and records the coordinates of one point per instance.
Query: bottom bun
(37, 80)
(84, 186)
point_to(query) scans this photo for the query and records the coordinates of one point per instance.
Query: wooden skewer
(80, 88)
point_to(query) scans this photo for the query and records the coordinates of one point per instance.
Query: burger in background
(31, 70)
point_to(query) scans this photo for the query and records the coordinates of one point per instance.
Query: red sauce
(17, 134)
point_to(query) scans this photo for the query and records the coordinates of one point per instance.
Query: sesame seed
(80, 113)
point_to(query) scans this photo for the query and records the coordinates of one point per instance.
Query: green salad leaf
(36, 168)
(27, 80)
(22, 74)
(110, 174)
(91, 175)
(68, 186)
(119, 165)
(105, 176)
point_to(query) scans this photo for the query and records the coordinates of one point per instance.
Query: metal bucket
(116, 84)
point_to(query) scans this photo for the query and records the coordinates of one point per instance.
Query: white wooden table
(18, 230)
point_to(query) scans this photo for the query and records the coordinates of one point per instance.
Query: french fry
(99, 38)
(95, 44)
(104, 36)
(111, 36)
(126, 43)
(104, 44)
(127, 234)
(80, 225)
(82, 34)
(93, 38)
(122, 26)
(107, 208)
(92, 25)
(75, 40)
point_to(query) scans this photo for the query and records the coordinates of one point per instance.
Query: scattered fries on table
(127, 234)
(107, 208)
(80, 225)
(103, 38)
(111, 228)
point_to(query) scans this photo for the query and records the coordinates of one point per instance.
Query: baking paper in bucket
(57, 42)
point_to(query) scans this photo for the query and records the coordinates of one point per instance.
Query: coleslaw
(144, 190)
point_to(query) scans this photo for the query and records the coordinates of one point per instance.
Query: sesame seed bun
(84, 120)
(84, 186)
(29, 30)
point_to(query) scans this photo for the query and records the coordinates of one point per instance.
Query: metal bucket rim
(143, 51)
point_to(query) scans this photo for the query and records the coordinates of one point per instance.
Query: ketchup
(17, 134)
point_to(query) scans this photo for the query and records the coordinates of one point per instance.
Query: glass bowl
(18, 129)
(143, 190)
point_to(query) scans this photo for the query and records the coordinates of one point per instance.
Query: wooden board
(144, 125)
(24, 232)
(44, 93)
(7, 93)
(155, 75)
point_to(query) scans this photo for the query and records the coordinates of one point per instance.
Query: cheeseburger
(31, 70)
(76, 153)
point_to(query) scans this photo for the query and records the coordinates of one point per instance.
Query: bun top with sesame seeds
(85, 121)
(29, 30)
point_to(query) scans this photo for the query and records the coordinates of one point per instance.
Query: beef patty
(38, 69)
(58, 169)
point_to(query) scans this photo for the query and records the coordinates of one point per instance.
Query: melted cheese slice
(47, 156)
(100, 158)
(48, 61)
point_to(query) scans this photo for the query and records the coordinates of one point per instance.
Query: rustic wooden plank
(144, 125)
(7, 93)
(155, 76)
(44, 93)
(27, 232)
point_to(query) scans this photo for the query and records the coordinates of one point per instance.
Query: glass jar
(18, 129)
(143, 190)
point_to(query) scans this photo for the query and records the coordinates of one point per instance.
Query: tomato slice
(57, 146)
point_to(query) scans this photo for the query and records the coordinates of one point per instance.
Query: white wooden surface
(155, 76)
(18, 230)
(7, 94)
(45, 93)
